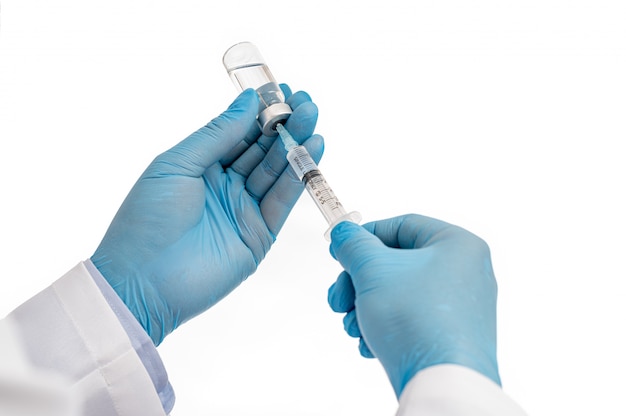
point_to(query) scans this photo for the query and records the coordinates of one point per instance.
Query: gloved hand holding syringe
(247, 69)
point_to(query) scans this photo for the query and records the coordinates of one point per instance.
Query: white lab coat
(69, 329)
(65, 352)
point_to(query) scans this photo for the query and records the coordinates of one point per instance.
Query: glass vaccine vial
(247, 69)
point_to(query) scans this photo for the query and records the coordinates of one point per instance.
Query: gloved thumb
(210, 143)
(357, 250)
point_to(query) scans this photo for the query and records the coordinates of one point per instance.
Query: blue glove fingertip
(298, 99)
(365, 350)
(301, 123)
(244, 101)
(350, 325)
(342, 232)
(341, 294)
(286, 90)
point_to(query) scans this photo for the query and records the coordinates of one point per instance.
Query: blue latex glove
(417, 292)
(203, 215)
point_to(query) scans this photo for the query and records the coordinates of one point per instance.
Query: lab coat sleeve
(453, 390)
(26, 391)
(69, 329)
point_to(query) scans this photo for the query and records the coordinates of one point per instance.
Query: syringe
(315, 183)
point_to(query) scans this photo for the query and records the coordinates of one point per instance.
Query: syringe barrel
(324, 197)
(316, 185)
(300, 161)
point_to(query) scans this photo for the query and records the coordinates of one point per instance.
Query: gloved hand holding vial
(248, 69)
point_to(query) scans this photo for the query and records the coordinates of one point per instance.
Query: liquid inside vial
(256, 76)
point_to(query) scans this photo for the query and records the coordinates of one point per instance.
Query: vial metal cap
(271, 116)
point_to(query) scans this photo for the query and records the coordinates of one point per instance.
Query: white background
(507, 118)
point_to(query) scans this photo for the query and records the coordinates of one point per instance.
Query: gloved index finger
(208, 145)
